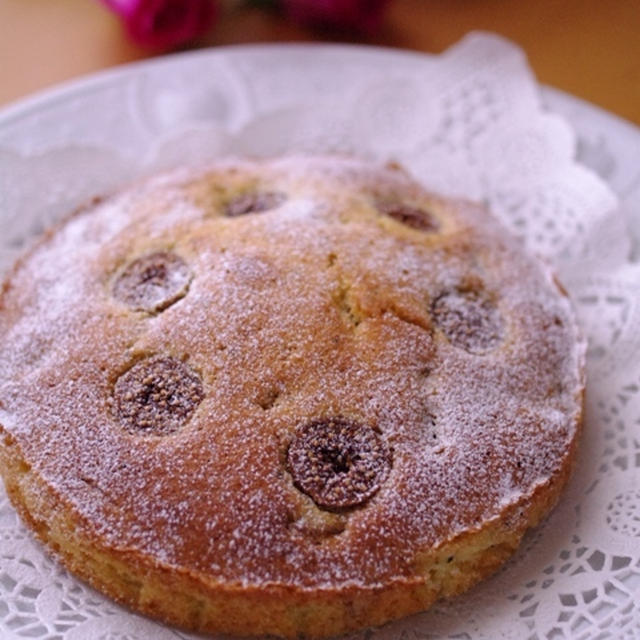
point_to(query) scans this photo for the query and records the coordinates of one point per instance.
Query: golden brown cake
(296, 396)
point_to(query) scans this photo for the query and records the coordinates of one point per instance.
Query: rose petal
(359, 15)
(164, 24)
(122, 7)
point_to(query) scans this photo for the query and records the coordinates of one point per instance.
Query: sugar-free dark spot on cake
(338, 463)
(156, 395)
(297, 396)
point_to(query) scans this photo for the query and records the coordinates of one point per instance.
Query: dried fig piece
(157, 396)
(339, 463)
(409, 215)
(153, 282)
(254, 202)
(469, 319)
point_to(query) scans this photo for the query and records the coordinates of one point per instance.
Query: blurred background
(589, 48)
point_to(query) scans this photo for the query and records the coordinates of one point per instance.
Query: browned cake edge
(193, 601)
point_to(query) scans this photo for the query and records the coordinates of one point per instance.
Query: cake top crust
(300, 371)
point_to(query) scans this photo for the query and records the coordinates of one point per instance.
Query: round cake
(296, 396)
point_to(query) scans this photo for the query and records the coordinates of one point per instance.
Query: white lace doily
(470, 122)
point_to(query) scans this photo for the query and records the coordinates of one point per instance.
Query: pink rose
(356, 15)
(164, 24)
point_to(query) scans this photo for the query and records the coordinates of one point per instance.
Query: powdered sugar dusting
(319, 307)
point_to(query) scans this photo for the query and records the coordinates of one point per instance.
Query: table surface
(589, 48)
